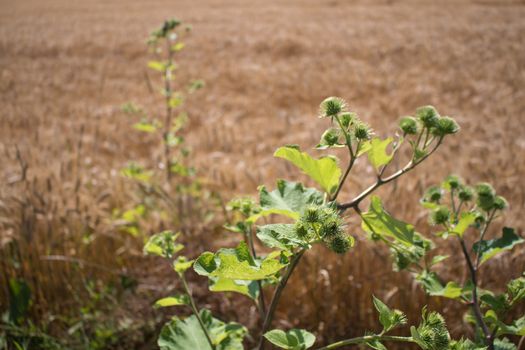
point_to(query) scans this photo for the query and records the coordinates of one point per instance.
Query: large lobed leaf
(288, 199)
(187, 334)
(281, 236)
(377, 154)
(237, 264)
(324, 171)
(247, 288)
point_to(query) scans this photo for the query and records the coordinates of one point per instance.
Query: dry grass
(65, 68)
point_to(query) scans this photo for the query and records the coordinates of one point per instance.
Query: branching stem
(366, 339)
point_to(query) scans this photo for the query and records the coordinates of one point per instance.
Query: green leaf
(434, 287)
(376, 344)
(288, 199)
(364, 147)
(377, 220)
(145, 126)
(504, 344)
(187, 334)
(489, 248)
(324, 171)
(137, 172)
(281, 236)
(389, 318)
(247, 288)
(163, 244)
(517, 327)
(294, 339)
(237, 264)
(377, 154)
(182, 264)
(173, 301)
(157, 65)
(465, 221)
(437, 259)
(177, 47)
(19, 300)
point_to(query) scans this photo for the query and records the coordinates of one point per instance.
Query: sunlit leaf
(489, 248)
(389, 318)
(163, 244)
(377, 155)
(173, 301)
(248, 288)
(294, 339)
(324, 171)
(237, 264)
(281, 236)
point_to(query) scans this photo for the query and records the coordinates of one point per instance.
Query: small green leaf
(177, 47)
(173, 301)
(433, 286)
(294, 339)
(163, 244)
(363, 148)
(465, 221)
(157, 65)
(145, 126)
(182, 264)
(237, 264)
(288, 199)
(389, 318)
(437, 259)
(377, 154)
(324, 171)
(489, 248)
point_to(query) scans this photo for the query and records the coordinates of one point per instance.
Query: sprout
(332, 106)
(408, 125)
(486, 196)
(440, 216)
(428, 115)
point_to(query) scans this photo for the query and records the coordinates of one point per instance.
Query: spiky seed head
(362, 131)
(439, 216)
(332, 106)
(466, 193)
(330, 137)
(433, 332)
(433, 194)
(301, 230)
(311, 214)
(486, 196)
(428, 115)
(453, 182)
(408, 125)
(480, 218)
(340, 243)
(346, 118)
(500, 203)
(445, 126)
(331, 227)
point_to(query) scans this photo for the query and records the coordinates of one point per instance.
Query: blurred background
(67, 214)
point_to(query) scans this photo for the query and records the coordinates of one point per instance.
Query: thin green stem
(261, 304)
(277, 296)
(366, 339)
(195, 310)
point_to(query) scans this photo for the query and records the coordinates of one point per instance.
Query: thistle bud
(330, 227)
(433, 194)
(346, 119)
(453, 182)
(486, 196)
(466, 193)
(445, 126)
(362, 131)
(428, 115)
(440, 216)
(408, 125)
(340, 243)
(301, 230)
(330, 137)
(311, 215)
(500, 203)
(331, 107)
(432, 333)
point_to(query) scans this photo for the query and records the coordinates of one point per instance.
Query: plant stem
(167, 121)
(277, 296)
(365, 339)
(195, 310)
(475, 302)
(261, 303)
(381, 181)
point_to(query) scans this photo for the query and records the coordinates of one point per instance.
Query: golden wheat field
(66, 67)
